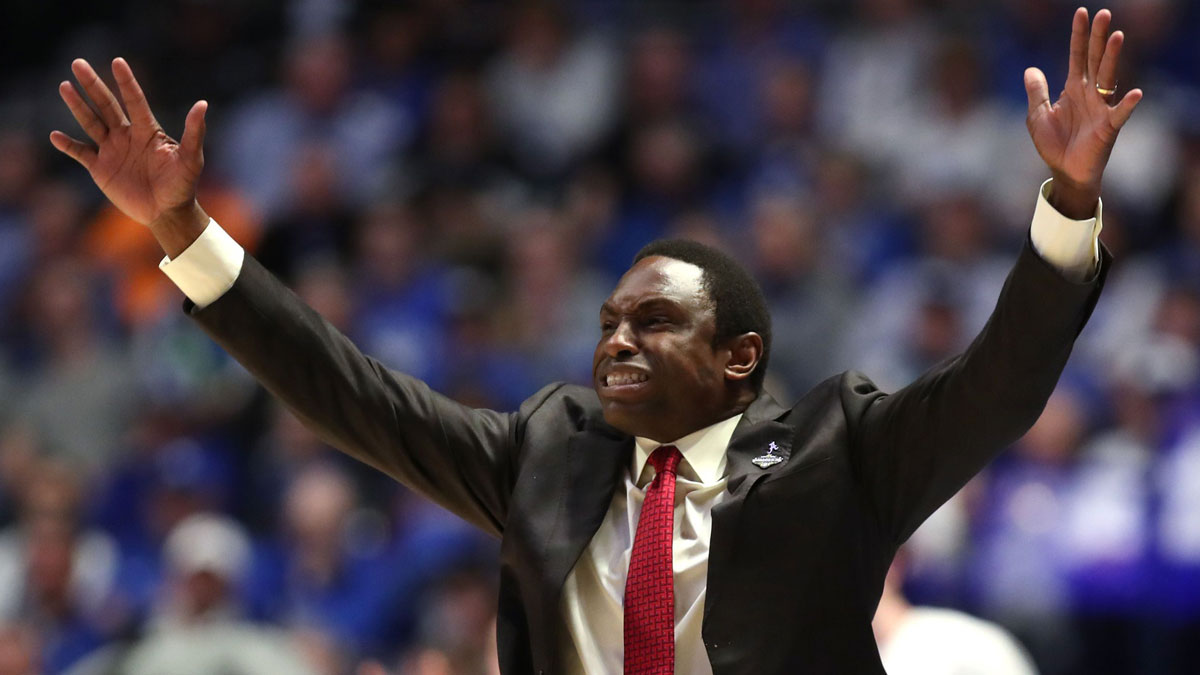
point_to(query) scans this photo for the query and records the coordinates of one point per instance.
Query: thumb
(192, 143)
(1119, 115)
(1037, 89)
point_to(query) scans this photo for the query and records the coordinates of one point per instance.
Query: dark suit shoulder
(557, 411)
(576, 403)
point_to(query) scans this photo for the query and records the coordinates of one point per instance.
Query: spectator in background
(808, 298)
(957, 274)
(272, 136)
(322, 576)
(744, 44)
(458, 635)
(147, 496)
(198, 629)
(658, 87)
(317, 222)
(862, 232)
(787, 151)
(397, 64)
(19, 650)
(20, 169)
(553, 297)
(117, 245)
(460, 148)
(80, 371)
(929, 641)
(669, 174)
(401, 294)
(1108, 526)
(881, 56)
(56, 577)
(959, 140)
(1021, 558)
(1175, 597)
(552, 88)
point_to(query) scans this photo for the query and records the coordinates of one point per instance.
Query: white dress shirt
(593, 594)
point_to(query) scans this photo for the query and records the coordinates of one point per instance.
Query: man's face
(655, 369)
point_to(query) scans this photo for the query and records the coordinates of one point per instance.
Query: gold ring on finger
(1105, 91)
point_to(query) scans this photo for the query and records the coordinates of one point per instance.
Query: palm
(143, 174)
(142, 170)
(1075, 135)
(1070, 137)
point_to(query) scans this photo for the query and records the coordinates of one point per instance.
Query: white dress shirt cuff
(207, 268)
(1072, 246)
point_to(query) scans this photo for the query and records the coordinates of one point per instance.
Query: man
(197, 629)
(766, 532)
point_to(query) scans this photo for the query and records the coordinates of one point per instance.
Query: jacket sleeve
(461, 458)
(912, 450)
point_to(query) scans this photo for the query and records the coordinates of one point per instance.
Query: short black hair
(738, 300)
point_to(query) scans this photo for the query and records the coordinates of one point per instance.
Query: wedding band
(1106, 92)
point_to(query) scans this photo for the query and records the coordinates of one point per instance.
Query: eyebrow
(648, 303)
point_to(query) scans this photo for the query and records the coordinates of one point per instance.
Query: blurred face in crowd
(538, 34)
(318, 72)
(18, 651)
(656, 369)
(51, 558)
(203, 591)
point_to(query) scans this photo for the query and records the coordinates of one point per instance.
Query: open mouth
(624, 379)
(624, 384)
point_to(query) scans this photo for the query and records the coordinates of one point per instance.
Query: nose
(621, 342)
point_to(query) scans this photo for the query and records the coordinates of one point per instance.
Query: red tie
(650, 588)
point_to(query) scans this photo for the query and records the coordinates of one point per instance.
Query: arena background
(456, 184)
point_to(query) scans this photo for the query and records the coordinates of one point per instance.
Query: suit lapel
(596, 459)
(758, 436)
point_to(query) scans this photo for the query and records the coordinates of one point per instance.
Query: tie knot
(665, 459)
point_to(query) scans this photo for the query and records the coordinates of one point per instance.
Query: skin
(152, 178)
(1075, 135)
(659, 323)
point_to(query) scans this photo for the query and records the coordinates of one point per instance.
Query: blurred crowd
(457, 184)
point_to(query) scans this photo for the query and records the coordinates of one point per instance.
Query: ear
(745, 351)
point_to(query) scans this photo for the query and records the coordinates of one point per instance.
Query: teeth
(617, 379)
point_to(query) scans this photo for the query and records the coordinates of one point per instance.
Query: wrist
(176, 228)
(1074, 200)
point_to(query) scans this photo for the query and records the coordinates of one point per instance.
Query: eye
(657, 321)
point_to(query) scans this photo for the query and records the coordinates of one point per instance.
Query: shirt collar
(703, 450)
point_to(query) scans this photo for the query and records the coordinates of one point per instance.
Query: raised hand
(144, 172)
(1075, 135)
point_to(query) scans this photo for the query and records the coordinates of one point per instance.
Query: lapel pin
(769, 459)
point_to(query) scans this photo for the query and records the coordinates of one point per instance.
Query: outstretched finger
(1036, 89)
(76, 150)
(1106, 75)
(106, 104)
(83, 113)
(1096, 42)
(1119, 114)
(192, 141)
(131, 92)
(1079, 45)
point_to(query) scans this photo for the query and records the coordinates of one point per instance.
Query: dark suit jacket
(800, 549)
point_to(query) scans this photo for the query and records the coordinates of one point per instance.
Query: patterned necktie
(650, 588)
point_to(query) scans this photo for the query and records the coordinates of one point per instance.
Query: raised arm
(914, 449)
(460, 457)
